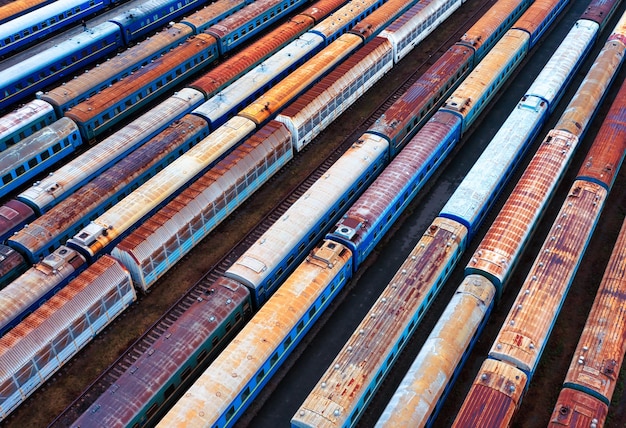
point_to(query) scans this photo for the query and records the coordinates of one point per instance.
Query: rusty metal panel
(162, 363)
(379, 19)
(41, 231)
(159, 242)
(200, 18)
(227, 71)
(13, 213)
(416, 102)
(527, 326)
(29, 288)
(580, 110)
(415, 400)
(213, 392)
(322, 9)
(600, 11)
(51, 189)
(344, 15)
(311, 112)
(507, 236)
(96, 105)
(577, 409)
(117, 68)
(387, 323)
(600, 351)
(299, 80)
(498, 386)
(241, 18)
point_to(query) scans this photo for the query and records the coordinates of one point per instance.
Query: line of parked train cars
(129, 95)
(275, 144)
(14, 9)
(61, 61)
(165, 184)
(592, 376)
(338, 397)
(255, 354)
(503, 378)
(446, 348)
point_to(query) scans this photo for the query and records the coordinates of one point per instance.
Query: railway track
(139, 346)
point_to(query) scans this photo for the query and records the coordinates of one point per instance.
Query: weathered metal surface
(214, 391)
(576, 409)
(499, 387)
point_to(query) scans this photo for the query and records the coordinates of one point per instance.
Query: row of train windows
(33, 162)
(43, 25)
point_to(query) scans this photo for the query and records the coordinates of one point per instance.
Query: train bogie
(25, 121)
(482, 185)
(428, 381)
(53, 189)
(28, 28)
(60, 61)
(407, 114)
(102, 111)
(213, 13)
(37, 348)
(12, 265)
(492, 25)
(117, 68)
(228, 101)
(410, 29)
(499, 384)
(37, 153)
(270, 259)
(159, 242)
(232, 68)
(66, 219)
(13, 215)
(475, 92)
(173, 359)
(258, 350)
(275, 99)
(578, 409)
(37, 285)
(314, 110)
(375, 212)
(241, 26)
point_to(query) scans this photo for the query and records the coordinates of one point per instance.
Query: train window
(44, 155)
(32, 163)
(20, 170)
(274, 359)
(287, 343)
(7, 179)
(260, 376)
(312, 312)
(56, 148)
(300, 327)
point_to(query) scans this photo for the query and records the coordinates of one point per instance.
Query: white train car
(39, 346)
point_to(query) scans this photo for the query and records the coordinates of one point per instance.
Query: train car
(172, 360)
(12, 265)
(420, 393)
(116, 68)
(99, 113)
(239, 28)
(163, 239)
(251, 357)
(12, 10)
(51, 190)
(314, 110)
(27, 29)
(25, 121)
(25, 294)
(139, 21)
(37, 348)
(37, 153)
(592, 375)
(34, 73)
(55, 227)
(523, 337)
(13, 215)
(230, 100)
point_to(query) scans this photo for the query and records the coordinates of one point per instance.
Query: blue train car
(21, 163)
(31, 27)
(58, 62)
